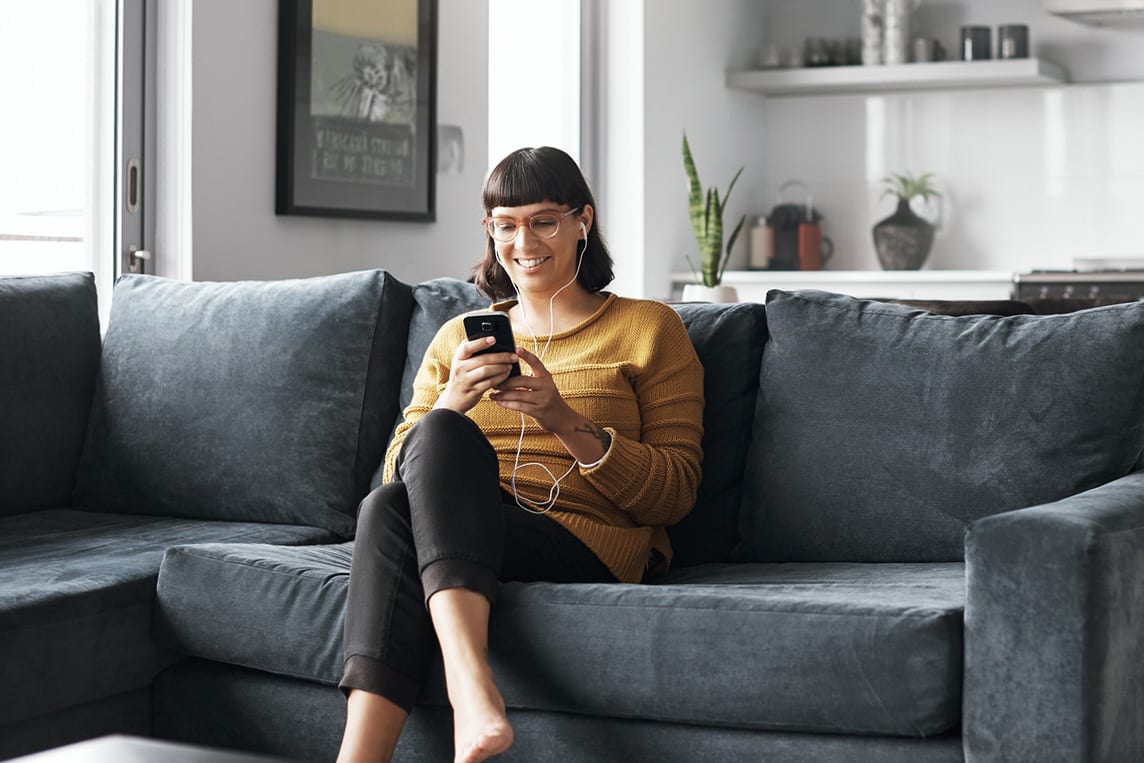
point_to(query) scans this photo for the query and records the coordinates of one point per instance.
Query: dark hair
(530, 176)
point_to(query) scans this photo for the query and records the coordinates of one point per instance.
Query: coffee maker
(790, 236)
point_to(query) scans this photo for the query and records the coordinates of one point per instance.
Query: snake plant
(707, 220)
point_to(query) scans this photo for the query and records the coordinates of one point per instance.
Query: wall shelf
(941, 75)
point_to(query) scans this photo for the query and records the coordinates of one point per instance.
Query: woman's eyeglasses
(541, 225)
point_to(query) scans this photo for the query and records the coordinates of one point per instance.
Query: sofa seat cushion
(76, 593)
(837, 648)
(267, 607)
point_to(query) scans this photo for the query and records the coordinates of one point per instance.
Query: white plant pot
(695, 292)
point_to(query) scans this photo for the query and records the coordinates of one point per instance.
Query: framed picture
(356, 108)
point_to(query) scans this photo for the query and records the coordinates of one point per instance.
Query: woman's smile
(529, 264)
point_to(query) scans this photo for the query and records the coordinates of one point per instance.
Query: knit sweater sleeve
(432, 375)
(654, 478)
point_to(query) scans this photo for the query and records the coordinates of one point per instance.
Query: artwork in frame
(356, 108)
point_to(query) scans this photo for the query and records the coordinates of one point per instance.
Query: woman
(569, 473)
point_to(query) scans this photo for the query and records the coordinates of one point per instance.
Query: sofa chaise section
(76, 594)
(250, 411)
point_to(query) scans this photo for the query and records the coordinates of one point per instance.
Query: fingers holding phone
(497, 326)
(481, 362)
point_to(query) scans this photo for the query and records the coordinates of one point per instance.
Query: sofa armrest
(1054, 630)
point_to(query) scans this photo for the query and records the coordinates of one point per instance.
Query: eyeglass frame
(527, 222)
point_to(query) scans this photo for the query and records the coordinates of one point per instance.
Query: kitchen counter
(753, 285)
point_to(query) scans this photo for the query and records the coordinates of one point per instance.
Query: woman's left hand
(536, 395)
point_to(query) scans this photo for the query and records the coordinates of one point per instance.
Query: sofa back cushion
(881, 432)
(257, 401)
(49, 356)
(434, 302)
(729, 340)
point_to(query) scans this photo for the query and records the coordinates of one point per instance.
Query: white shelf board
(939, 75)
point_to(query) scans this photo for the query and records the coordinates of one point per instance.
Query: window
(534, 76)
(60, 72)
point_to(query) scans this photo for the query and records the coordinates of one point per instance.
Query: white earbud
(584, 229)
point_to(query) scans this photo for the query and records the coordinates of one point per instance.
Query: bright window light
(534, 76)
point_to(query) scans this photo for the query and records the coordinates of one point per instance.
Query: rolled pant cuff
(459, 573)
(374, 676)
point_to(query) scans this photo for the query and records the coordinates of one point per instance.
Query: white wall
(236, 234)
(1031, 177)
(661, 72)
(688, 47)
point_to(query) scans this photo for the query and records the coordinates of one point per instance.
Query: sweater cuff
(611, 441)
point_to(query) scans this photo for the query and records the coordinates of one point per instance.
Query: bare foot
(480, 726)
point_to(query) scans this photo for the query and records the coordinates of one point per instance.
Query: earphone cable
(542, 507)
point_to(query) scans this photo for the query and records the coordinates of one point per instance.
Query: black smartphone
(496, 325)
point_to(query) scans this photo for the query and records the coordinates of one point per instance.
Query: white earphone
(584, 229)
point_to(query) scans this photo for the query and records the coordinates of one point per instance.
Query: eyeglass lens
(543, 225)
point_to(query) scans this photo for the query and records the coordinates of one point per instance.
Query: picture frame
(356, 111)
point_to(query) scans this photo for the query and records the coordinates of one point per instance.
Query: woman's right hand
(471, 376)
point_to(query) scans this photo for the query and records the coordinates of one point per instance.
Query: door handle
(136, 257)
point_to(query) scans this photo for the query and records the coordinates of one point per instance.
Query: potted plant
(707, 221)
(903, 240)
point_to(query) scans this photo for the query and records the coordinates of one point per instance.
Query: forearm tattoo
(600, 434)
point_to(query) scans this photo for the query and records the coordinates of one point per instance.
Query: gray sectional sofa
(918, 537)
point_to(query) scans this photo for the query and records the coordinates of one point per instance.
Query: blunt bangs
(528, 176)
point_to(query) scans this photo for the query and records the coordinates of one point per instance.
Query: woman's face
(535, 263)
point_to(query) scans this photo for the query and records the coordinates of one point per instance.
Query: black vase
(903, 239)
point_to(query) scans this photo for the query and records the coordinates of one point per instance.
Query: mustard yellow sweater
(632, 370)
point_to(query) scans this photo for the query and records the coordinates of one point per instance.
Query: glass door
(62, 65)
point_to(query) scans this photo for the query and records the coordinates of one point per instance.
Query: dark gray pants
(444, 522)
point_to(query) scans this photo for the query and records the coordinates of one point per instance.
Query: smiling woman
(568, 473)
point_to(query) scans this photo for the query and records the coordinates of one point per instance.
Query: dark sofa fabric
(269, 607)
(839, 648)
(49, 355)
(198, 700)
(128, 713)
(434, 302)
(955, 419)
(1037, 656)
(729, 341)
(76, 596)
(1054, 659)
(211, 394)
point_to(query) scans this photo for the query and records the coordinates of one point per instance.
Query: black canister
(1013, 41)
(975, 43)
